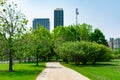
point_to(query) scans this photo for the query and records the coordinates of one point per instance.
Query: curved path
(55, 71)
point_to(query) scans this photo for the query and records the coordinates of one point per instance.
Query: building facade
(58, 17)
(117, 43)
(41, 22)
(114, 43)
(111, 43)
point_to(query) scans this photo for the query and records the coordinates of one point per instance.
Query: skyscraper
(114, 43)
(117, 43)
(111, 43)
(42, 22)
(58, 17)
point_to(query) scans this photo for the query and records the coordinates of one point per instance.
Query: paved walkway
(55, 71)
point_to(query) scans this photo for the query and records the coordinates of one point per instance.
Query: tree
(73, 32)
(63, 34)
(34, 45)
(98, 37)
(23, 48)
(12, 25)
(2, 44)
(84, 31)
(41, 43)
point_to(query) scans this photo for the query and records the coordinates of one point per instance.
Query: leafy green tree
(41, 43)
(84, 31)
(12, 25)
(34, 45)
(2, 44)
(97, 36)
(23, 48)
(73, 33)
(63, 34)
(63, 51)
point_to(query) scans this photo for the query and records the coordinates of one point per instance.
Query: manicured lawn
(23, 71)
(101, 71)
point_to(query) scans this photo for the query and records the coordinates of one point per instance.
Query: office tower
(111, 43)
(41, 22)
(58, 17)
(114, 43)
(117, 43)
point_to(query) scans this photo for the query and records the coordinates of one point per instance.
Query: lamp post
(77, 13)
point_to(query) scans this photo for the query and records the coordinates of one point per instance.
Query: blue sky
(102, 14)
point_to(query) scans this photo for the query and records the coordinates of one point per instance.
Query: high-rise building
(111, 43)
(41, 22)
(58, 17)
(117, 43)
(114, 43)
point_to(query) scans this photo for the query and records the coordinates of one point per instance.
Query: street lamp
(77, 13)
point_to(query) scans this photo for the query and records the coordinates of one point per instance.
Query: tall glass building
(41, 22)
(58, 17)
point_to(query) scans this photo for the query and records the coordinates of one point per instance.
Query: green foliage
(34, 45)
(23, 47)
(11, 27)
(97, 36)
(117, 52)
(42, 42)
(84, 52)
(84, 31)
(71, 33)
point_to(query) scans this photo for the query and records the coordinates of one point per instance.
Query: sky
(101, 14)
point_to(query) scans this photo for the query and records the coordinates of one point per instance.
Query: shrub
(84, 52)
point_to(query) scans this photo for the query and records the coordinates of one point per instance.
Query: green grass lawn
(23, 71)
(100, 71)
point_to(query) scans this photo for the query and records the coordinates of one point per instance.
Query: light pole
(77, 13)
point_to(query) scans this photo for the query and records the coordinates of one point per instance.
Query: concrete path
(55, 71)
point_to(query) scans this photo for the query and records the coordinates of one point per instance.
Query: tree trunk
(25, 60)
(77, 62)
(29, 60)
(49, 58)
(66, 60)
(37, 60)
(44, 59)
(84, 62)
(10, 54)
(93, 63)
(10, 61)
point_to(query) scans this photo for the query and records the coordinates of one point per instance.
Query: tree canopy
(97, 36)
(12, 26)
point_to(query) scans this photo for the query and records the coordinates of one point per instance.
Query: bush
(84, 52)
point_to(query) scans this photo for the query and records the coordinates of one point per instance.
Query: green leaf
(4, 10)
(9, 5)
(17, 17)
